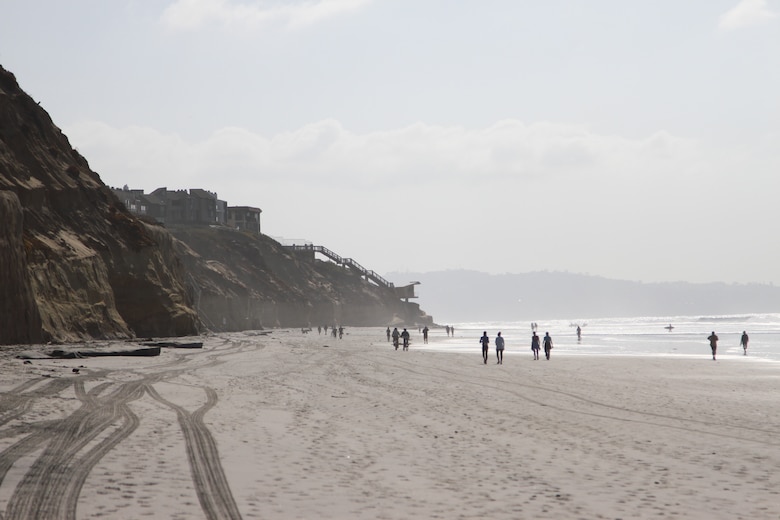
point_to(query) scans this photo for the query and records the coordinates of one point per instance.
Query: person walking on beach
(425, 334)
(388, 334)
(535, 346)
(579, 333)
(547, 345)
(485, 342)
(713, 344)
(341, 332)
(405, 336)
(396, 335)
(500, 349)
(744, 341)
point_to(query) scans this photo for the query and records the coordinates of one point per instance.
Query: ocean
(645, 336)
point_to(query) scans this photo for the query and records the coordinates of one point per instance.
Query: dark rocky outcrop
(20, 320)
(76, 265)
(244, 281)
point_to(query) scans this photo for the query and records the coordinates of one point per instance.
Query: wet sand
(291, 425)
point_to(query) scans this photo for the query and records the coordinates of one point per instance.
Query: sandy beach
(299, 426)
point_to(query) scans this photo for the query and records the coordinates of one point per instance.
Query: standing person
(425, 334)
(744, 341)
(388, 334)
(405, 336)
(579, 333)
(319, 329)
(547, 345)
(341, 332)
(713, 344)
(500, 349)
(396, 335)
(485, 342)
(535, 346)
(334, 331)
(452, 331)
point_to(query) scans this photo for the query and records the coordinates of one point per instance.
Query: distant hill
(461, 295)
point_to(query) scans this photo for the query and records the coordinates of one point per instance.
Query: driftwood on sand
(174, 344)
(76, 354)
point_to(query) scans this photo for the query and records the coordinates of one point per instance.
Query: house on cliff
(195, 206)
(244, 218)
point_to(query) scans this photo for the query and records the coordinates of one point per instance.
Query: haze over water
(644, 336)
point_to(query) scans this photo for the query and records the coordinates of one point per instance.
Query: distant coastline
(463, 295)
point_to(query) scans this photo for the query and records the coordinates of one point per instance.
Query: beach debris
(173, 344)
(77, 354)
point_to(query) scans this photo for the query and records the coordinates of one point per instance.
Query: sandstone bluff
(76, 265)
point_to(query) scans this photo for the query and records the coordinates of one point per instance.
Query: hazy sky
(637, 140)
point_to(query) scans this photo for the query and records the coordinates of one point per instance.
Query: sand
(291, 425)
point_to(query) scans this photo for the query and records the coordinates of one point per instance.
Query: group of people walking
(485, 341)
(500, 345)
(335, 331)
(743, 342)
(405, 336)
(537, 343)
(399, 336)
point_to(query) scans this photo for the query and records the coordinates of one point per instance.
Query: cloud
(325, 154)
(745, 14)
(194, 14)
(598, 202)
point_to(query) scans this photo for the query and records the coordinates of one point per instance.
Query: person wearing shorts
(535, 346)
(713, 344)
(485, 340)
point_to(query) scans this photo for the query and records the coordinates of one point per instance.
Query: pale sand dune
(283, 427)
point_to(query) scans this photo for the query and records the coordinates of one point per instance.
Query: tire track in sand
(211, 485)
(51, 487)
(67, 449)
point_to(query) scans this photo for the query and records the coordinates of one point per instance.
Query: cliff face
(73, 263)
(243, 281)
(20, 320)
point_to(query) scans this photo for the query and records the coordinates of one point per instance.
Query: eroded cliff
(75, 264)
(244, 281)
